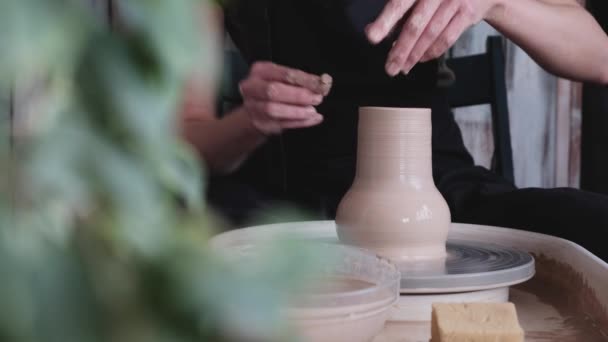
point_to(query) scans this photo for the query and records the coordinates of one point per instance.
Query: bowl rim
(393, 282)
(356, 315)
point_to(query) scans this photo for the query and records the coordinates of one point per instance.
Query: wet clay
(326, 82)
(319, 84)
(566, 310)
(393, 206)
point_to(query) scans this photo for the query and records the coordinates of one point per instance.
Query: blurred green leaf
(41, 36)
(103, 227)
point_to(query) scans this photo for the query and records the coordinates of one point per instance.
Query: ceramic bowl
(350, 301)
(349, 298)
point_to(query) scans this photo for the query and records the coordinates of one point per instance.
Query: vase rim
(404, 110)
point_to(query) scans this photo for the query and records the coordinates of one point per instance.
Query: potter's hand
(278, 98)
(432, 27)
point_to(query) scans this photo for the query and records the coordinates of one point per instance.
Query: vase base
(421, 253)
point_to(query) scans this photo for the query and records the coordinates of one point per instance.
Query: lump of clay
(475, 322)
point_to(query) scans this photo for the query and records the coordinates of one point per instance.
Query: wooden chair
(480, 79)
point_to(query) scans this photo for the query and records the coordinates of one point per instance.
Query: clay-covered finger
(326, 84)
(280, 111)
(278, 73)
(313, 121)
(260, 90)
(303, 79)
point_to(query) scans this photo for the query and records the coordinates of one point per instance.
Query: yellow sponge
(475, 322)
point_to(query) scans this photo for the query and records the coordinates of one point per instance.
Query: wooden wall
(545, 118)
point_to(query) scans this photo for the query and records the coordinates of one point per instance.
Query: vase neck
(394, 144)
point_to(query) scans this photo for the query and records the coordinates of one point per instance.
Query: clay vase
(393, 207)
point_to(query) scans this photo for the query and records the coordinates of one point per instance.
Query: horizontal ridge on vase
(393, 206)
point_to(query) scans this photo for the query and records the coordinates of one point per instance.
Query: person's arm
(275, 98)
(222, 144)
(559, 34)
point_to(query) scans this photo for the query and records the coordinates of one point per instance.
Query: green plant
(103, 228)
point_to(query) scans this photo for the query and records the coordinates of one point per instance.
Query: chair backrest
(480, 79)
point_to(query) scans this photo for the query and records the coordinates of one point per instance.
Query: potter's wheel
(469, 266)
